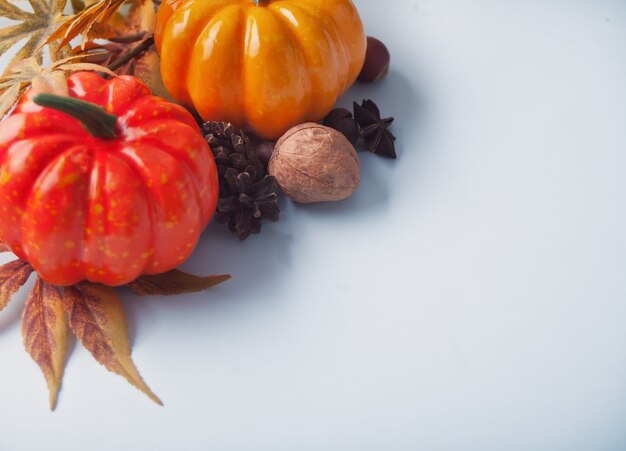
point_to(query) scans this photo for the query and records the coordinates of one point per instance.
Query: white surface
(471, 296)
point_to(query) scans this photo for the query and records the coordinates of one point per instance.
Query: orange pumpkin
(263, 65)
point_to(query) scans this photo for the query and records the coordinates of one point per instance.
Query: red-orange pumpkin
(106, 209)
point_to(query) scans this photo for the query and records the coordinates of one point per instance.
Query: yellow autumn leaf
(9, 97)
(36, 27)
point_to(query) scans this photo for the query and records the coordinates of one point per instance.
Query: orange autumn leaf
(83, 21)
(174, 282)
(102, 31)
(12, 276)
(97, 319)
(4, 247)
(44, 331)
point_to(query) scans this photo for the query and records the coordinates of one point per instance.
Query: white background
(470, 296)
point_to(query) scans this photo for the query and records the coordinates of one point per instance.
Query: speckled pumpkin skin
(265, 67)
(106, 210)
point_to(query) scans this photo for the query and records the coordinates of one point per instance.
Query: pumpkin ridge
(149, 199)
(96, 196)
(72, 127)
(134, 156)
(120, 158)
(82, 253)
(219, 24)
(287, 26)
(353, 71)
(274, 76)
(129, 121)
(209, 17)
(330, 47)
(246, 30)
(49, 158)
(189, 172)
(202, 15)
(86, 207)
(63, 155)
(115, 104)
(337, 38)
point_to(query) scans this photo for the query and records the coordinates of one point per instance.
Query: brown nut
(314, 163)
(376, 63)
(264, 150)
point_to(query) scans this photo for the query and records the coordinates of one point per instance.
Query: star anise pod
(246, 191)
(374, 129)
(341, 120)
(247, 204)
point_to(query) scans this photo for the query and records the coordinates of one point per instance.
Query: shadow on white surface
(410, 109)
(259, 259)
(12, 315)
(252, 263)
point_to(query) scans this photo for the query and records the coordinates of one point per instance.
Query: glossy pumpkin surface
(107, 210)
(264, 67)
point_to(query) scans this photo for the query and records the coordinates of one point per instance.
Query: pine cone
(246, 191)
(233, 149)
(248, 203)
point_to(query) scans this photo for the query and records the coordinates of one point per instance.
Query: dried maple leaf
(101, 31)
(97, 30)
(174, 282)
(9, 97)
(44, 330)
(37, 27)
(141, 16)
(131, 51)
(51, 79)
(138, 15)
(12, 276)
(147, 69)
(96, 317)
(83, 21)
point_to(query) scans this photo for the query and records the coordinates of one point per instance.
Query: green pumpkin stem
(92, 117)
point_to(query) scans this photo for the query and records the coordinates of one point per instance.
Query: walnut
(313, 163)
